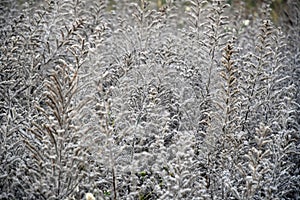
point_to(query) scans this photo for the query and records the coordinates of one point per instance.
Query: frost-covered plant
(132, 100)
(57, 144)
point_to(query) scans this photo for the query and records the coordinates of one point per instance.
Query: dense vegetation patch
(192, 100)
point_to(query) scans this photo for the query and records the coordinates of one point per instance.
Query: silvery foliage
(124, 100)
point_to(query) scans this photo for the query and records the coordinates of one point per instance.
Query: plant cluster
(194, 100)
